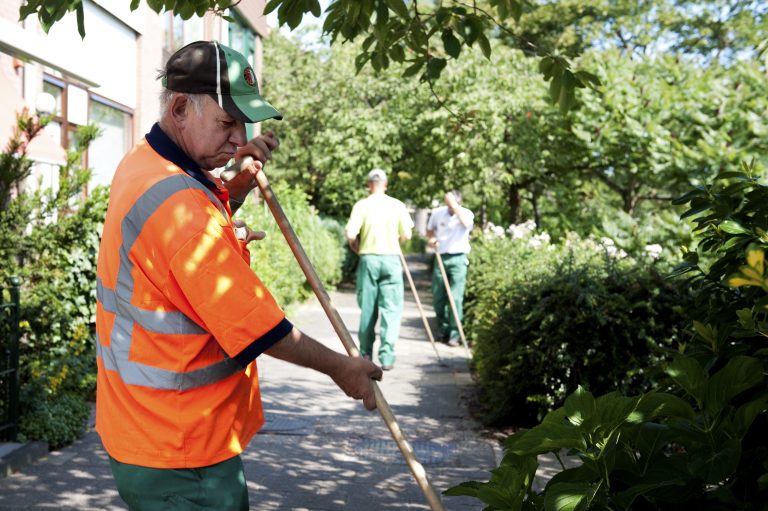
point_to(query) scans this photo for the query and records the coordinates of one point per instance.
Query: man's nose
(238, 136)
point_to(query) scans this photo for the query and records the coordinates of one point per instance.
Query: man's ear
(179, 109)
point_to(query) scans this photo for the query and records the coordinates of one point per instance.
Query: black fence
(9, 359)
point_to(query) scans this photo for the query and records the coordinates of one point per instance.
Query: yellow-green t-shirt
(380, 220)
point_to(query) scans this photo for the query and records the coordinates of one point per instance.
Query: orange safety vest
(177, 301)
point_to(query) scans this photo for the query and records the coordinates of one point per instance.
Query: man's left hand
(260, 149)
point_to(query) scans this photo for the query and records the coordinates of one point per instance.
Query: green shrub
(50, 238)
(545, 318)
(700, 444)
(59, 422)
(272, 259)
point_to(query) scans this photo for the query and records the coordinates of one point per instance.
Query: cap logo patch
(250, 77)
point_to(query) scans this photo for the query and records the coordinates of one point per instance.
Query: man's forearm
(300, 349)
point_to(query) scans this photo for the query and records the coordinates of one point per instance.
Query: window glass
(178, 32)
(106, 151)
(56, 92)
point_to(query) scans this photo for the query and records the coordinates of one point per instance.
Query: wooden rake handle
(418, 304)
(452, 303)
(338, 325)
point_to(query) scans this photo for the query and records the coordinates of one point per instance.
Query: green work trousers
(219, 487)
(456, 268)
(380, 293)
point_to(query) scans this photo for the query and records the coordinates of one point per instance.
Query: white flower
(654, 250)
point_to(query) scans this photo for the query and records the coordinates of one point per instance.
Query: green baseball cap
(208, 67)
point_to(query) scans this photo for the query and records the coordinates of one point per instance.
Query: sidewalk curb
(15, 456)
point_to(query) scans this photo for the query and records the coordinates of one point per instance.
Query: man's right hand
(354, 376)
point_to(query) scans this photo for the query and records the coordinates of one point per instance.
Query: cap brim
(249, 108)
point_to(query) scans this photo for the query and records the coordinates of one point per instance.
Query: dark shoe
(453, 342)
(387, 367)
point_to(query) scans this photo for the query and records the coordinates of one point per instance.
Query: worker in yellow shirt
(375, 229)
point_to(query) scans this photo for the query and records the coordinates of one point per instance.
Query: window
(241, 37)
(114, 140)
(243, 40)
(179, 33)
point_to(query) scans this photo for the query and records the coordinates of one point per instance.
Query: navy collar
(167, 148)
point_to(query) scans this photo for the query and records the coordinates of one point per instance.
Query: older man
(181, 318)
(375, 229)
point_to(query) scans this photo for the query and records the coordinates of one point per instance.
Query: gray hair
(167, 95)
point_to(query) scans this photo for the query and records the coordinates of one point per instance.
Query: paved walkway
(319, 450)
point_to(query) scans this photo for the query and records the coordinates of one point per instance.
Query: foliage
(272, 259)
(545, 318)
(49, 237)
(701, 442)
(653, 451)
(58, 421)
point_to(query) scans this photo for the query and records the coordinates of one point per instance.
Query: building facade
(109, 78)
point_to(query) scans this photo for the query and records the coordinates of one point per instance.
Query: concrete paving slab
(319, 450)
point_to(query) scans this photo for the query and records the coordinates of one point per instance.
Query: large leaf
(660, 404)
(546, 437)
(579, 406)
(739, 374)
(688, 373)
(714, 464)
(569, 496)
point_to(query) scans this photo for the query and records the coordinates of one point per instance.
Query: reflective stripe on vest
(118, 302)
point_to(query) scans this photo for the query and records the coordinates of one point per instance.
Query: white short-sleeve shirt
(452, 236)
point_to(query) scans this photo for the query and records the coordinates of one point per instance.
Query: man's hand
(450, 201)
(354, 378)
(247, 234)
(260, 150)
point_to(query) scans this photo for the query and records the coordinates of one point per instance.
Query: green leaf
(80, 20)
(451, 44)
(271, 6)
(660, 404)
(747, 413)
(413, 68)
(397, 53)
(687, 373)
(399, 7)
(716, 464)
(545, 437)
(435, 66)
(485, 45)
(135, 4)
(733, 227)
(739, 374)
(579, 406)
(568, 496)
(466, 489)
(315, 9)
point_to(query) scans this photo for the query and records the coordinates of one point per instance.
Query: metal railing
(9, 359)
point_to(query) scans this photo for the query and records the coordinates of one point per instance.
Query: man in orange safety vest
(181, 318)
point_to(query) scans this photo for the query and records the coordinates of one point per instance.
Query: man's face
(211, 137)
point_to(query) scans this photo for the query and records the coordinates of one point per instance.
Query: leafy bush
(50, 238)
(58, 421)
(701, 443)
(272, 259)
(545, 318)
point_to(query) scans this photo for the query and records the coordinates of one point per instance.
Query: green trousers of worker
(219, 487)
(456, 268)
(380, 294)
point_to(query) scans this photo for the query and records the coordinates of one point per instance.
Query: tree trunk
(513, 201)
(536, 212)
